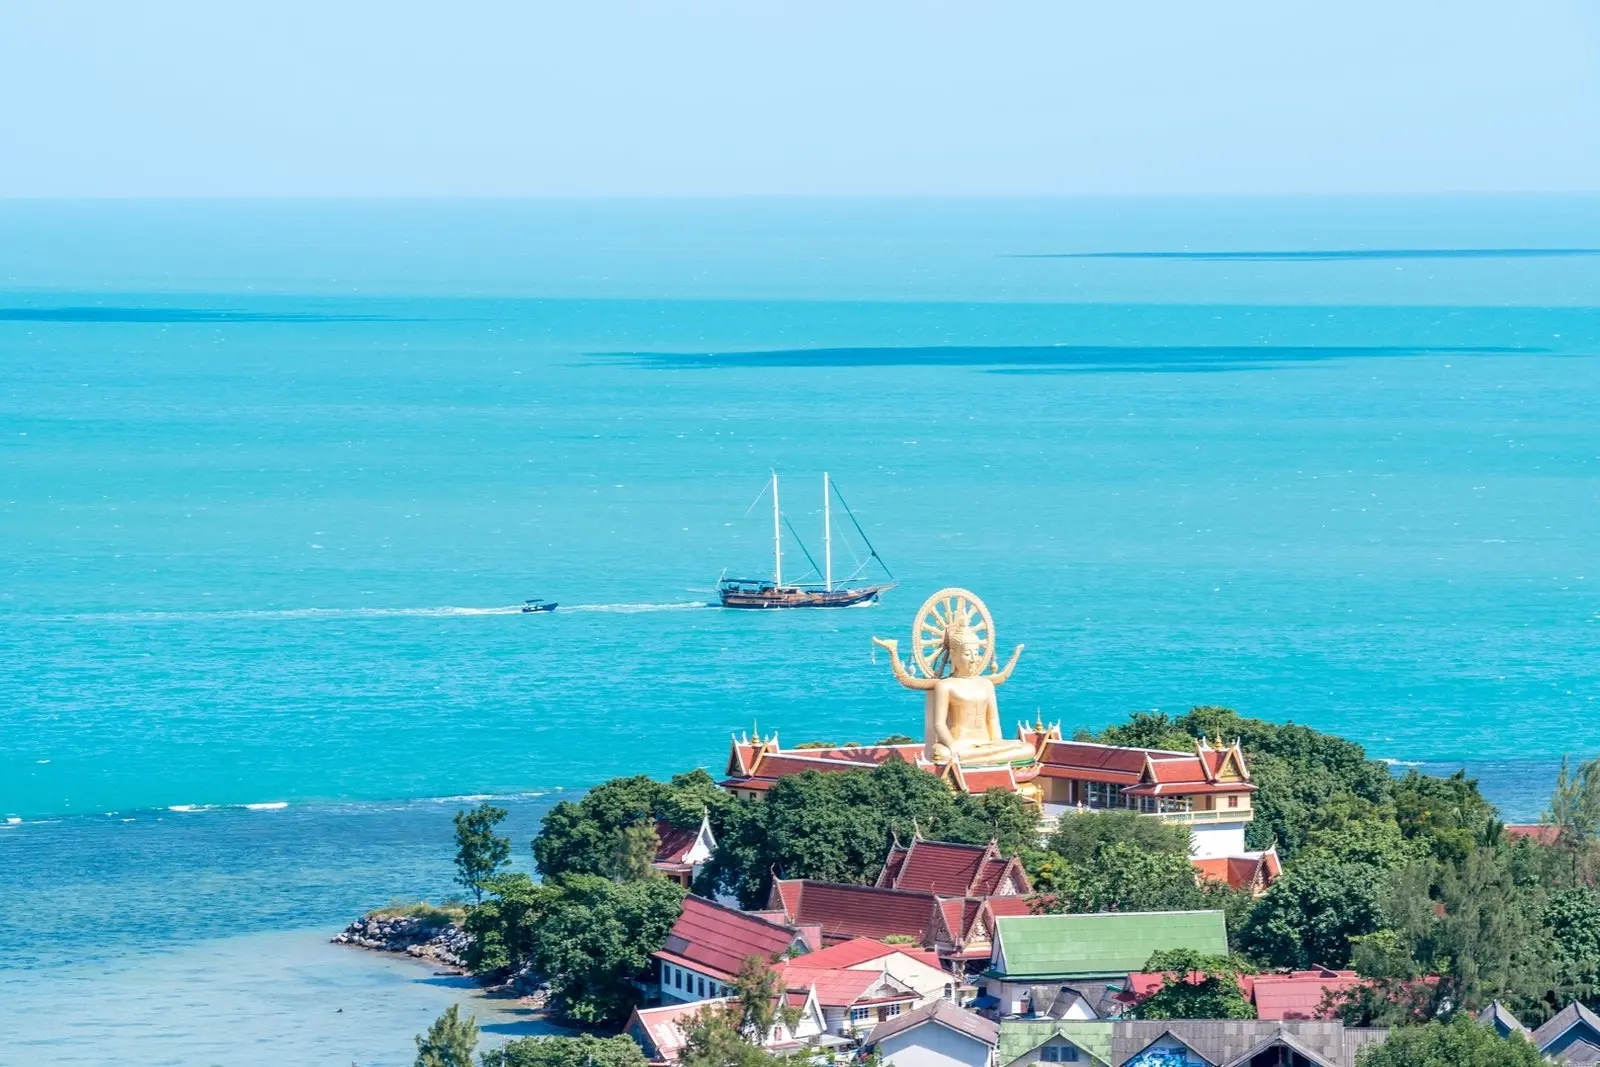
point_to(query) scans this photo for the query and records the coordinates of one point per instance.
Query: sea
(276, 475)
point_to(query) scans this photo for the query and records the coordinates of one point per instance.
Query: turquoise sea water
(272, 475)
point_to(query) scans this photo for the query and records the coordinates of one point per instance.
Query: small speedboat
(531, 606)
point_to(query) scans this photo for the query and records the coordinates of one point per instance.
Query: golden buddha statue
(954, 644)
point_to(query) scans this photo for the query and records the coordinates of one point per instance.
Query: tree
(1572, 916)
(897, 739)
(503, 926)
(1447, 816)
(1196, 986)
(634, 852)
(1080, 837)
(583, 1050)
(1575, 810)
(1310, 914)
(480, 852)
(759, 990)
(582, 837)
(712, 1039)
(594, 941)
(449, 1042)
(1462, 1042)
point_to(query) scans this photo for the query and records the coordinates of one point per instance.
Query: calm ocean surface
(272, 476)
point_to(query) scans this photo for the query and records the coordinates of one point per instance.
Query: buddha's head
(965, 651)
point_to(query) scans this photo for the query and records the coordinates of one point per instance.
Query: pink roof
(1299, 995)
(1143, 984)
(716, 940)
(661, 1025)
(836, 987)
(946, 868)
(861, 950)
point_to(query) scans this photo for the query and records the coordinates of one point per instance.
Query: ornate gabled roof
(840, 987)
(845, 911)
(1245, 871)
(950, 869)
(675, 842)
(1499, 1016)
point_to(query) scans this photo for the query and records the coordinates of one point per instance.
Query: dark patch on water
(1049, 359)
(1326, 255)
(171, 315)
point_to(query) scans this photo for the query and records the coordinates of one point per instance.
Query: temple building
(1207, 789)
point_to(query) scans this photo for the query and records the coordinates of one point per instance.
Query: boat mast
(777, 535)
(827, 538)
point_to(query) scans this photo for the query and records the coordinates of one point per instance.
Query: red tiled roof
(1188, 769)
(717, 940)
(1001, 906)
(983, 779)
(845, 911)
(1096, 763)
(945, 868)
(1299, 995)
(1184, 789)
(1539, 832)
(675, 841)
(1143, 984)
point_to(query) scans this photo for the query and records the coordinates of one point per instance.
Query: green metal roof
(1018, 1037)
(1102, 945)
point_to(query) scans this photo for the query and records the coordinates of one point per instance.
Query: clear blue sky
(601, 97)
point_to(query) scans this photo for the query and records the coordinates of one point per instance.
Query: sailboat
(773, 593)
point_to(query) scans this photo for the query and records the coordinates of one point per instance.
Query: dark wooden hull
(800, 597)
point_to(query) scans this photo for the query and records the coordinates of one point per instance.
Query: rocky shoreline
(436, 940)
(428, 939)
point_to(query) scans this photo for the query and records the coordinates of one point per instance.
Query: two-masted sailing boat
(773, 593)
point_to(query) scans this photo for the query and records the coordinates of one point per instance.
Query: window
(949, 991)
(1069, 1055)
(1050, 1054)
(891, 1011)
(1233, 802)
(857, 1014)
(701, 982)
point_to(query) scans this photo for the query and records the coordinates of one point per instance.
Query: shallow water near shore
(273, 478)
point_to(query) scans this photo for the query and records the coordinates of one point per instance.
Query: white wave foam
(1400, 762)
(12, 820)
(188, 807)
(273, 805)
(630, 609)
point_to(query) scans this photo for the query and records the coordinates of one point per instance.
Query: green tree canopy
(583, 837)
(1080, 839)
(480, 852)
(503, 927)
(712, 1038)
(838, 827)
(594, 939)
(449, 1042)
(1309, 915)
(583, 1050)
(1196, 986)
(1461, 1042)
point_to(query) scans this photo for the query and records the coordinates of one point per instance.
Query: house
(710, 942)
(659, 1032)
(853, 1002)
(948, 869)
(1539, 833)
(1238, 1043)
(1024, 1042)
(1252, 871)
(1300, 994)
(959, 930)
(1183, 1043)
(1033, 950)
(914, 967)
(938, 1034)
(683, 852)
(1572, 1035)
(1499, 1017)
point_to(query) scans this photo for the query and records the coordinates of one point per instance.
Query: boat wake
(369, 613)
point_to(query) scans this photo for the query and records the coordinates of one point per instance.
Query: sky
(617, 98)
